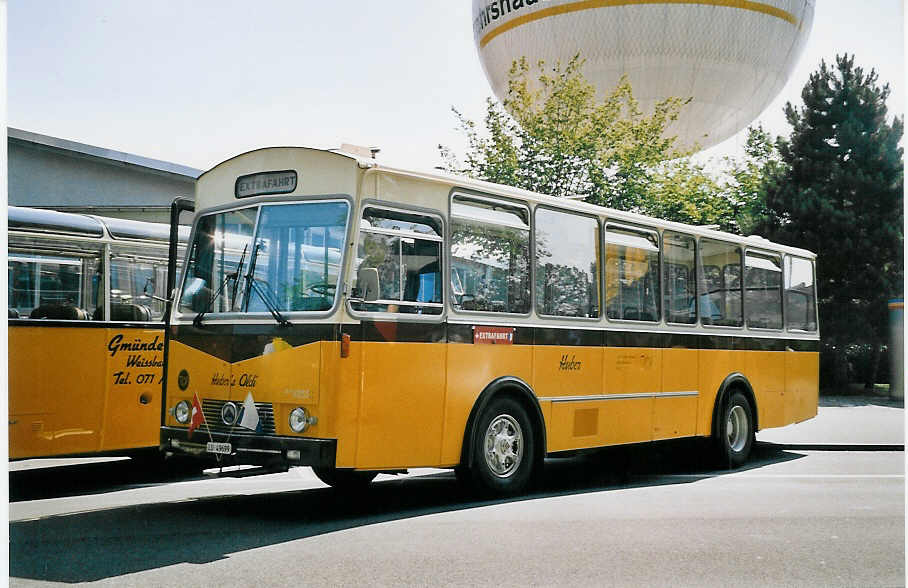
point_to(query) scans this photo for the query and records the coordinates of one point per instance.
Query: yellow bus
(86, 338)
(359, 319)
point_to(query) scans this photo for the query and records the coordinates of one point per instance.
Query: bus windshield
(284, 257)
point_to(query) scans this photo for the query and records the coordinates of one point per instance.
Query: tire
(503, 449)
(344, 479)
(734, 431)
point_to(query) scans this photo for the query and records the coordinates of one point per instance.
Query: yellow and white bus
(86, 333)
(359, 319)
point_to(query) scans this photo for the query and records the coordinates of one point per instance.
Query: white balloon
(732, 57)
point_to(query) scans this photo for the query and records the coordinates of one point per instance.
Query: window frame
(599, 277)
(517, 204)
(369, 315)
(660, 320)
(39, 258)
(816, 308)
(265, 317)
(662, 266)
(781, 257)
(742, 249)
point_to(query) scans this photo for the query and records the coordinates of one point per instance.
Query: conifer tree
(840, 195)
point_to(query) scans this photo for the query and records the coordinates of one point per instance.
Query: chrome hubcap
(737, 428)
(503, 446)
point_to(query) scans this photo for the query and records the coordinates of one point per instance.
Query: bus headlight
(181, 412)
(299, 420)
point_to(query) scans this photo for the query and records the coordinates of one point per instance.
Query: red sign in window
(493, 335)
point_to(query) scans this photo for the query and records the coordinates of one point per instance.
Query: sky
(197, 82)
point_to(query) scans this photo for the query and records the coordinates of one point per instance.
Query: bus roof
(41, 220)
(492, 189)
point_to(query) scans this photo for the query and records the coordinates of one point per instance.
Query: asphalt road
(652, 515)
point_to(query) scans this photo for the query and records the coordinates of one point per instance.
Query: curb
(834, 446)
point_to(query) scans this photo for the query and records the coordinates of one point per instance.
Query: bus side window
(763, 291)
(800, 295)
(46, 287)
(679, 276)
(567, 264)
(490, 254)
(22, 286)
(398, 263)
(631, 274)
(719, 295)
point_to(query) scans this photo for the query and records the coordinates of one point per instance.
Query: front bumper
(252, 449)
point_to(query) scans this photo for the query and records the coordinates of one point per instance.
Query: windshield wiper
(236, 276)
(197, 321)
(269, 303)
(253, 284)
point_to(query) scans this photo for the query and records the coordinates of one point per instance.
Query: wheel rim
(503, 446)
(737, 428)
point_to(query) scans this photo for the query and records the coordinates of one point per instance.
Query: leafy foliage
(749, 178)
(553, 136)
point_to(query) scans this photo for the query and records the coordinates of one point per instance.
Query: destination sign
(275, 182)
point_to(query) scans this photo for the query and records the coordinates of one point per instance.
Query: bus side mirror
(367, 283)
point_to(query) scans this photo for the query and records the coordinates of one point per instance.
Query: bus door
(56, 387)
(675, 410)
(633, 356)
(134, 372)
(398, 297)
(567, 359)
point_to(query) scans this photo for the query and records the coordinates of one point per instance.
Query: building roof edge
(102, 153)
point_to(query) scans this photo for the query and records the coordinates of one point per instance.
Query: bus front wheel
(502, 448)
(735, 431)
(344, 479)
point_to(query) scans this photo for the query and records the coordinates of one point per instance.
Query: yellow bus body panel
(285, 376)
(74, 390)
(470, 369)
(395, 405)
(801, 391)
(208, 377)
(676, 416)
(401, 405)
(765, 370)
(570, 371)
(631, 370)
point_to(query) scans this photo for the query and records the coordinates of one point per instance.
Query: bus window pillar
(107, 283)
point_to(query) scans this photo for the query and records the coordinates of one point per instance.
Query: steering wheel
(323, 289)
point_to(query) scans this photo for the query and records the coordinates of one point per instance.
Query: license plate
(222, 448)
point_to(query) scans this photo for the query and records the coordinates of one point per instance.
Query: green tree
(841, 196)
(552, 136)
(683, 191)
(749, 178)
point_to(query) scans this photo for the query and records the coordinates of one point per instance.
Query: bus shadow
(85, 547)
(82, 479)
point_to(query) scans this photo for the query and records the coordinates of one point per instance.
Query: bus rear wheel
(344, 479)
(735, 431)
(503, 449)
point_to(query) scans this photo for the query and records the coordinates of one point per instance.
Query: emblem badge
(183, 380)
(229, 413)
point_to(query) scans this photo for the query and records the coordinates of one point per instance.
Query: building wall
(45, 176)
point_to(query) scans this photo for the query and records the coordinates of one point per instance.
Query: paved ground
(650, 515)
(846, 420)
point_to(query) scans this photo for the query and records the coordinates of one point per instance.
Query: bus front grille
(212, 411)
